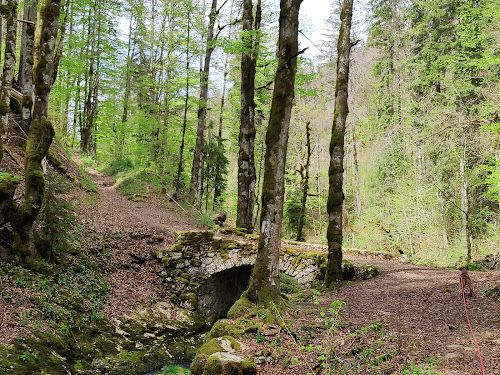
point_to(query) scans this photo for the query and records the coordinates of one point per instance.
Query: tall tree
(196, 189)
(264, 285)
(335, 173)
(9, 11)
(246, 163)
(120, 136)
(26, 61)
(41, 132)
(304, 184)
(93, 85)
(180, 166)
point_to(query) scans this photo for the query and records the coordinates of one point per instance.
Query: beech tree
(40, 134)
(335, 193)
(264, 285)
(246, 162)
(196, 189)
(8, 10)
(304, 184)
(26, 61)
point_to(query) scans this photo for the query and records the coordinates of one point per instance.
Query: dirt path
(128, 234)
(421, 317)
(423, 304)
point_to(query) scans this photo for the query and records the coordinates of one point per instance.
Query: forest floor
(407, 315)
(133, 232)
(415, 313)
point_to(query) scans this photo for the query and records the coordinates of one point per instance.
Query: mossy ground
(70, 333)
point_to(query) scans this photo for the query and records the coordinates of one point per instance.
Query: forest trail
(128, 234)
(154, 213)
(421, 303)
(425, 305)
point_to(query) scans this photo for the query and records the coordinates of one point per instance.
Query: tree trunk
(120, 139)
(264, 285)
(1, 37)
(168, 75)
(26, 63)
(60, 45)
(246, 162)
(220, 183)
(178, 183)
(196, 183)
(304, 184)
(86, 130)
(464, 192)
(335, 193)
(356, 170)
(9, 11)
(40, 135)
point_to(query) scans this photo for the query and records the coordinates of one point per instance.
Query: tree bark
(41, 132)
(304, 175)
(9, 11)
(356, 169)
(335, 193)
(464, 193)
(86, 130)
(220, 183)
(120, 138)
(26, 63)
(195, 192)
(246, 162)
(264, 285)
(178, 183)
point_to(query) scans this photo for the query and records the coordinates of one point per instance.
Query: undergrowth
(56, 299)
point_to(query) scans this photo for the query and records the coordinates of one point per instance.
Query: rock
(220, 219)
(348, 270)
(367, 271)
(222, 363)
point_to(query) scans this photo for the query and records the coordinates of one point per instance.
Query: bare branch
(266, 86)
(25, 21)
(222, 6)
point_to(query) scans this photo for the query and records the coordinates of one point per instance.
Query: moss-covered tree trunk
(41, 132)
(304, 184)
(246, 163)
(264, 285)
(26, 62)
(7, 10)
(335, 193)
(195, 190)
(356, 169)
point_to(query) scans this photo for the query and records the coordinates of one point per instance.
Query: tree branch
(222, 6)
(25, 21)
(265, 86)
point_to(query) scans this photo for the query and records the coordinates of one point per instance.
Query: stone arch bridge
(208, 273)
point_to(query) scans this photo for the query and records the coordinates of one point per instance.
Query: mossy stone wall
(196, 265)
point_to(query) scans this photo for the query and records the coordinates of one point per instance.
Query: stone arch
(200, 266)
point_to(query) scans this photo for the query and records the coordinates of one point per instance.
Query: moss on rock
(226, 328)
(213, 366)
(367, 271)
